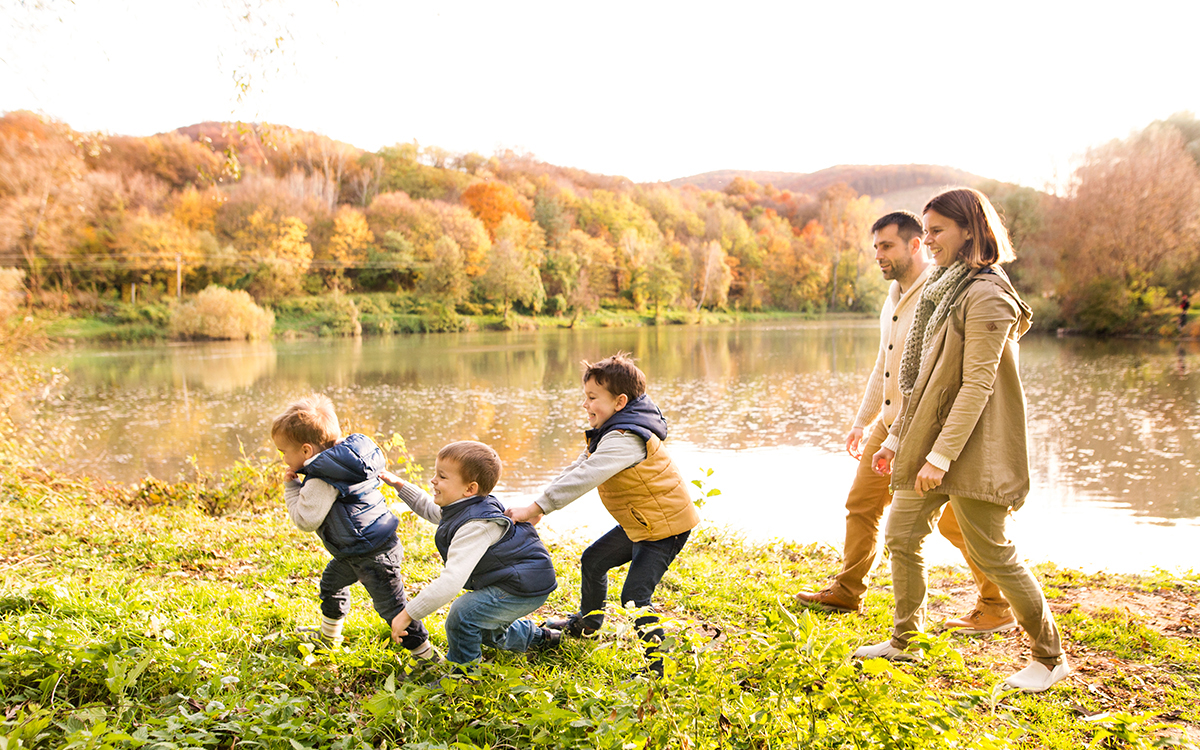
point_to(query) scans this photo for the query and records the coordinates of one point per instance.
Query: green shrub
(1047, 316)
(441, 319)
(218, 313)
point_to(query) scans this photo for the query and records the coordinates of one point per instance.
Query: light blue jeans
(490, 616)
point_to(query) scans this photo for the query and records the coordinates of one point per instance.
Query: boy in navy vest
(503, 564)
(339, 498)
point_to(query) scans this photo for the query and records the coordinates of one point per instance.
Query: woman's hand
(928, 478)
(881, 462)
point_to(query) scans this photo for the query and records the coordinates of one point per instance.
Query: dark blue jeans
(648, 563)
(380, 575)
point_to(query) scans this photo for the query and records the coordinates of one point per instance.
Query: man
(901, 258)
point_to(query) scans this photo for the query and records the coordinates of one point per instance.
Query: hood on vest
(996, 275)
(640, 416)
(356, 459)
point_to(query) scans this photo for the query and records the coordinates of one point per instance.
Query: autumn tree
(1127, 231)
(846, 218)
(41, 186)
(492, 201)
(444, 279)
(513, 266)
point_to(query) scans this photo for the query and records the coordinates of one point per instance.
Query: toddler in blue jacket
(331, 487)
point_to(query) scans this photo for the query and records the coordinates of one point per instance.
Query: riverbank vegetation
(125, 228)
(164, 614)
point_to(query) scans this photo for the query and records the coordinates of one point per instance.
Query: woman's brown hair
(972, 211)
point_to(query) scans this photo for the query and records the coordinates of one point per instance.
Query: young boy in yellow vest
(640, 486)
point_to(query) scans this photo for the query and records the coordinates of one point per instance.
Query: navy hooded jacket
(640, 416)
(360, 522)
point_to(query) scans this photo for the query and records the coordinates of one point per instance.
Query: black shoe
(551, 638)
(571, 625)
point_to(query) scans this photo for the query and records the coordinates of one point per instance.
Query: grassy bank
(164, 615)
(377, 314)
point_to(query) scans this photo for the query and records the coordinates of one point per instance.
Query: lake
(1114, 425)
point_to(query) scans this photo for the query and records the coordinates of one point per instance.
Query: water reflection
(1114, 426)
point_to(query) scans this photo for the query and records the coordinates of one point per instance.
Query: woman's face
(944, 238)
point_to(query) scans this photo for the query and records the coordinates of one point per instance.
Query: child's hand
(290, 476)
(400, 625)
(390, 479)
(531, 513)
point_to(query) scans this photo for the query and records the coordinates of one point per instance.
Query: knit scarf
(932, 309)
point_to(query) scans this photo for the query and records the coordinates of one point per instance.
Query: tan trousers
(983, 530)
(869, 497)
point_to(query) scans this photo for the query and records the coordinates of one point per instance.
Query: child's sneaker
(317, 638)
(427, 653)
(571, 625)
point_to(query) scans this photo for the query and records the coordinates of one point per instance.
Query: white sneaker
(887, 651)
(1038, 677)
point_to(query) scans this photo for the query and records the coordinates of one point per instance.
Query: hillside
(899, 185)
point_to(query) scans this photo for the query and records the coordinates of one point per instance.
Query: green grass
(164, 615)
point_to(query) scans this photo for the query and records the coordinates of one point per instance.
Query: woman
(960, 436)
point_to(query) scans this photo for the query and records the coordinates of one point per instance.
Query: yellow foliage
(351, 236)
(219, 313)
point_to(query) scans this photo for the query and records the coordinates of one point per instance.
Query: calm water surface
(1115, 426)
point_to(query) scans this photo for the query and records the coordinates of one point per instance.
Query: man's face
(892, 253)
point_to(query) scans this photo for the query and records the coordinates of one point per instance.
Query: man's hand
(881, 462)
(400, 625)
(531, 513)
(928, 478)
(853, 443)
(391, 480)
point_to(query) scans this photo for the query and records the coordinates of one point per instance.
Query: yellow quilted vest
(650, 499)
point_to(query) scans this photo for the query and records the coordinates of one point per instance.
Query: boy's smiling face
(600, 404)
(449, 485)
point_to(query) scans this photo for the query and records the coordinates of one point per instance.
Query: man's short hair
(309, 420)
(476, 462)
(618, 374)
(908, 224)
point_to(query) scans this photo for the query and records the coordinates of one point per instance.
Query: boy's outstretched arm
(413, 496)
(616, 452)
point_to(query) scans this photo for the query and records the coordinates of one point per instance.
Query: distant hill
(898, 185)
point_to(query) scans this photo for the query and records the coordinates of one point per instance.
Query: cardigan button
(895, 317)
(887, 402)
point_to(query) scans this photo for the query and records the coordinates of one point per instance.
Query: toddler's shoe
(571, 625)
(550, 639)
(1038, 677)
(887, 651)
(981, 623)
(427, 653)
(830, 600)
(317, 638)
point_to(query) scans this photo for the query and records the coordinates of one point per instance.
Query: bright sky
(649, 90)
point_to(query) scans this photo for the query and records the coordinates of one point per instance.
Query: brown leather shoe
(830, 600)
(979, 623)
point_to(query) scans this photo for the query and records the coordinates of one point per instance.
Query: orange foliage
(492, 201)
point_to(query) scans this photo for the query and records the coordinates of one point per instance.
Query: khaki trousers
(869, 497)
(983, 530)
